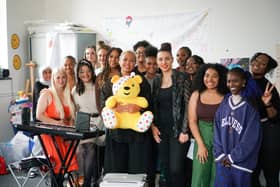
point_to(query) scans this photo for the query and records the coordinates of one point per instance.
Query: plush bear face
(126, 87)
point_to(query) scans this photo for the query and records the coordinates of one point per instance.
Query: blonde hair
(128, 52)
(66, 94)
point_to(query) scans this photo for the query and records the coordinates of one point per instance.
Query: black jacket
(180, 98)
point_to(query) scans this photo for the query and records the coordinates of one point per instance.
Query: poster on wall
(182, 29)
(236, 62)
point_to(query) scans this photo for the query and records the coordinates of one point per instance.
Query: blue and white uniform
(237, 137)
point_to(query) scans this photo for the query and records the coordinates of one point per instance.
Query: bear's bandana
(119, 83)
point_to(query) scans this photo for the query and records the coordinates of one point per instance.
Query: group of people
(232, 114)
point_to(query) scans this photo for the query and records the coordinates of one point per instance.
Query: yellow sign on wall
(15, 41)
(17, 62)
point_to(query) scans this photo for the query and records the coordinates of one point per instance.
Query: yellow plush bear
(126, 90)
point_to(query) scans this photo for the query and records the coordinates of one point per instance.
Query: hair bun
(101, 43)
(165, 47)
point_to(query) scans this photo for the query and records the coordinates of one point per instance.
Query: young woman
(182, 56)
(171, 88)
(269, 108)
(55, 106)
(103, 80)
(69, 65)
(193, 64)
(84, 97)
(209, 88)
(128, 151)
(101, 56)
(151, 64)
(139, 49)
(45, 74)
(90, 55)
(237, 131)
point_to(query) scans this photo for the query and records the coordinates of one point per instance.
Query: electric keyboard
(59, 130)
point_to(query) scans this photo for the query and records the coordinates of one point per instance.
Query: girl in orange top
(55, 106)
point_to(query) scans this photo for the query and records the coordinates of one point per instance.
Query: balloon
(128, 20)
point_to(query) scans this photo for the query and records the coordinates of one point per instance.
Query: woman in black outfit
(127, 151)
(269, 108)
(171, 88)
(45, 74)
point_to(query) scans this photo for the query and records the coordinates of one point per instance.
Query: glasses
(140, 52)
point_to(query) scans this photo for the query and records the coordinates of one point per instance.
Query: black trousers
(127, 157)
(88, 162)
(269, 157)
(172, 159)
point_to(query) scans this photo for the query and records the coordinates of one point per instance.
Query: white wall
(237, 28)
(18, 11)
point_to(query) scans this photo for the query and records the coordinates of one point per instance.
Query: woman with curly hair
(209, 89)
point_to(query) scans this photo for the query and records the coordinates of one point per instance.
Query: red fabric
(3, 166)
(63, 146)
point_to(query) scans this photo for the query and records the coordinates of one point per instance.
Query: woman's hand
(226, 162)
(156, 133)
(267, 95)
(131, 108)
(202, 153)
(183, 138)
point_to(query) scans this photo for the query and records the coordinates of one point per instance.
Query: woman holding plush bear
(128, 151)
(172, 88)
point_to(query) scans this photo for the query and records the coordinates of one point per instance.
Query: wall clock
(15, 41)
(16, 62)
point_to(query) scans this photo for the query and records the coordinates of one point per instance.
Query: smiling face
(235, 83)
(181, 57)
(211, 78)
(130, 88)
(101, 55)
(259, 65)
(85, 74)
(127, 62)
(140, 55)
(191, 66)
(164, 61)
(47, 74)
(60, 79)
(151, 65)
(90, 55)
(113, 59)
(69, 66)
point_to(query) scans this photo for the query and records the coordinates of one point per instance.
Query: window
(3, 35)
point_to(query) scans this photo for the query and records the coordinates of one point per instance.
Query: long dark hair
(80, 86)
(104, 75)
(198, 83)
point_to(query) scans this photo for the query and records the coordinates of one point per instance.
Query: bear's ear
(138, 79)
(115, 78)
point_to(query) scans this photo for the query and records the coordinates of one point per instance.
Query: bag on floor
(3, 166)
